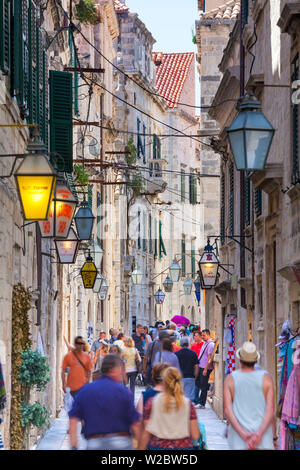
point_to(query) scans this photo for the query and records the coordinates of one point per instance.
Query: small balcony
(156, 182)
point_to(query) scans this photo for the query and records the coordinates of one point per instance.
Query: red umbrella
(180, 320)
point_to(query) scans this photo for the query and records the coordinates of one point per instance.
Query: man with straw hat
(249, 403)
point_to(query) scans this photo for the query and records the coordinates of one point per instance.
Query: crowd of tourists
(174, 364)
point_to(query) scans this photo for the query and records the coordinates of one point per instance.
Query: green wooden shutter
(21, 68)
(193, 260)
(98, 218)
(139, 230)
(193, 189)
(150, 234)
(61, 130)
(222, 222)
(247, 198)
(5, 35)
(258, 202)
(73, 62)
(155, 156)
(33, 64)
(182, 186)
(231, 199)
(144, 144)
(45, 122)
(183, 264)
(162, 249)
(90, 197)
(159, 148)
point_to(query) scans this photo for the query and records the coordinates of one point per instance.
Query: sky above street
(170, 23)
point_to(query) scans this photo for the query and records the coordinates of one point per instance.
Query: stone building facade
(263, 289)
(212, 33)
(25, 257)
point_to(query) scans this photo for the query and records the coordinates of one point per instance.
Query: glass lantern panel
(84, 221)
(35, 194)
(66, 251)
(257, 145)
(236, 140)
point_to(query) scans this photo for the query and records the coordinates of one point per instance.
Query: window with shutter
(193, 259)
(182, 186)
(258, 202)
(73, 62)
(61, 129)
(144, 143)
(247, 198)
(45, 120)
(150, 235)
(21, 68)
(162, 249)
(33, 64)
(156, 147)
(139, 231)
(90, 197)
(231, 199)
(223, 208)
(193, 189)
(295, 125)
(5, 35)
(98, 218)
(183, 263)
(144, 232)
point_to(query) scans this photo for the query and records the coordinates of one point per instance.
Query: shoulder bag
(85, 369)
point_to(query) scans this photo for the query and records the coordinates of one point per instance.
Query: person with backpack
(149, 357)
(79, 366)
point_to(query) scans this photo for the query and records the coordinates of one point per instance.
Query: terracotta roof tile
(120, 6)
(172, 74)
(229, 11)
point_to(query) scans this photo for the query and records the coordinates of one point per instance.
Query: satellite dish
(94, 148)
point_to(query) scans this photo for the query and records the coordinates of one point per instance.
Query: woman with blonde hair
(133, 361)
(170, 419)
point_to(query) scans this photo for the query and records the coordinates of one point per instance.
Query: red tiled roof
(171, 75)
(120, 6)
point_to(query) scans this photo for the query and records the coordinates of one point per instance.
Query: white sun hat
(248, 352)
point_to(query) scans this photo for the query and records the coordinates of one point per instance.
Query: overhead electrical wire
(115, 96)
(132, 79)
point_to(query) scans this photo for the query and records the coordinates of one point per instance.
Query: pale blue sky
(170, 23)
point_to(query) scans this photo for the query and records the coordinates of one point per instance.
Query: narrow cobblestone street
(56, 438)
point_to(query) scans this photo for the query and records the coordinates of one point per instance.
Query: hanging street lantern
(174, 271)
(35, 180)
(103, 290)
(198, 286)
(187, 286)
(67, 249)
(159, 296)
(250, 135)
(168, 284)
(209, 267)
(137, 277)
(84, 221)
(98, 283)
(97, 252)
(61, 211)
(89, 273)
